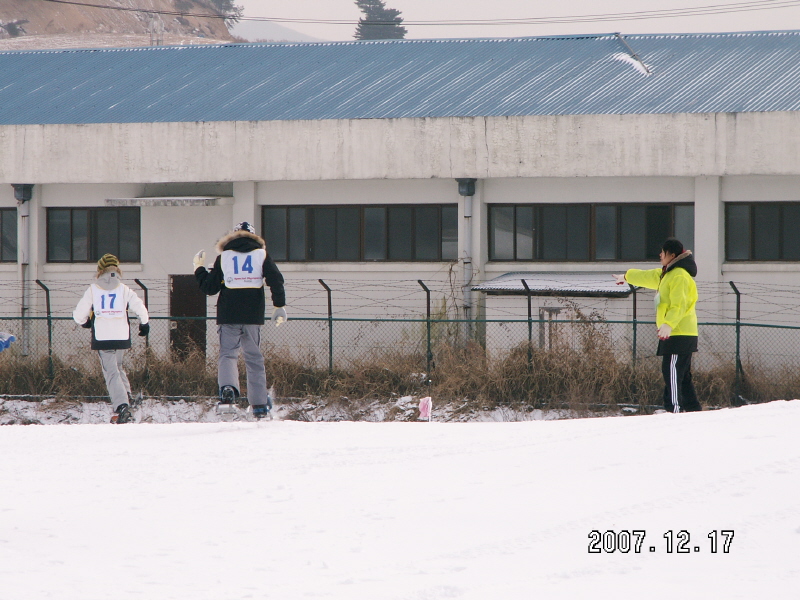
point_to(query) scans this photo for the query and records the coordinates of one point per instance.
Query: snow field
(287, 510)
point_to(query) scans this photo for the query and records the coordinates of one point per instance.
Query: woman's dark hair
(673, 246)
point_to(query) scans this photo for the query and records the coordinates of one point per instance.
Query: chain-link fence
(743, 358)
(759, 360)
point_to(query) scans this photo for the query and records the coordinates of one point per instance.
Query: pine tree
(379, 22)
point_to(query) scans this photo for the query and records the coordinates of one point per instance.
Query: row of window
(763, 231)
(8, 235)
(361, 233)
(86, 234)
(583, 232)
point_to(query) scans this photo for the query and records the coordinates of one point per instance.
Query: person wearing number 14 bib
(104, 308)
(238, 276)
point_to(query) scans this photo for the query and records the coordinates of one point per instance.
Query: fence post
(530, 325)
(49, 327)
(147, 306)
(330, 326)
(635, 324)
(739, 371)
(428, 302)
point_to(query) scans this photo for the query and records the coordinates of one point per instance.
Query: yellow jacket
(676, 293)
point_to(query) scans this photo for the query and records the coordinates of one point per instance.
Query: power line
(713, 9)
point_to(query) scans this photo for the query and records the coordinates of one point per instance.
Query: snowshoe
(226, 407)
(262, 411)
(137, 400)
(122, 415)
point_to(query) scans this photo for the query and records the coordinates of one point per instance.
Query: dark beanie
(673, 246)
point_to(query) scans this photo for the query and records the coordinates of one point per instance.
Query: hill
(29, 24)
(259, 31)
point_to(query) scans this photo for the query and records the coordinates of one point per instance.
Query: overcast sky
(433, 10)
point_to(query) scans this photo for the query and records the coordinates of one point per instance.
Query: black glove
(88, 324)
(144, 329)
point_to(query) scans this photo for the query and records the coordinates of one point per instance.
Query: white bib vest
(109, 304)
(110, 313)
(243, 269)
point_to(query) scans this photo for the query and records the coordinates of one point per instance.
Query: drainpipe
(466, 188)
(23, 192)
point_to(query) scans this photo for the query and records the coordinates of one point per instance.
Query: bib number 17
(111, 303)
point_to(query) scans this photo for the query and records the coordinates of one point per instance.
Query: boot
(122, 415)
(261, 411)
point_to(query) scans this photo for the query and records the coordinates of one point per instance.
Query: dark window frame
(93, 235)
(751, 234)
(11, 255)
(309, 226)
(591, 240)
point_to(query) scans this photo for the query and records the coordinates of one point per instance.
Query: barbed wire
(760, 302)
(712, 9)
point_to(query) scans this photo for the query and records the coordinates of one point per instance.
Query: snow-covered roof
(555, 284)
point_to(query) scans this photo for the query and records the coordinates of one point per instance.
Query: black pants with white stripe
(679, 393)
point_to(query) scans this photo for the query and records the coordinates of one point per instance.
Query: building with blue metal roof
(382, 159)
(402, 79)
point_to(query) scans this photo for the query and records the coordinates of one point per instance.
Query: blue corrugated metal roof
(725, 72)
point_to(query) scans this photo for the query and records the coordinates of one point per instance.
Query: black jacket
(245, 306)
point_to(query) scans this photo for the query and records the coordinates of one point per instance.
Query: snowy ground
(16, 411)
(356, 510)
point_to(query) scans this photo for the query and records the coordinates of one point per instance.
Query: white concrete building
(403, 160)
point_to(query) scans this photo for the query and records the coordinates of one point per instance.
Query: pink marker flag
(425, 405)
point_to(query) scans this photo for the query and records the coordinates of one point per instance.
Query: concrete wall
(708, 159)
(171, 235)
(683, 145)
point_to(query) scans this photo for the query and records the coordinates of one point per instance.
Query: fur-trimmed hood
(241, 241)
(683, 261)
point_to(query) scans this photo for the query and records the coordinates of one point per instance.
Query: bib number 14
(247, 265)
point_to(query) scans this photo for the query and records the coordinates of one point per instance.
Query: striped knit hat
(108, 260)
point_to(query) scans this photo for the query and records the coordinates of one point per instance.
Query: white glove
(199, 259)
(620, 278)
(279, 316)
(664, 332)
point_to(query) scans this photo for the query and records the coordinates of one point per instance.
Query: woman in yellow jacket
(676, 320)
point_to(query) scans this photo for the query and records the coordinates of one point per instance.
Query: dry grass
(21, 375)
(583, 377)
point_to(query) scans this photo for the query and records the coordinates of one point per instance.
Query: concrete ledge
(87, 267)
(170, 201)
(761, 267)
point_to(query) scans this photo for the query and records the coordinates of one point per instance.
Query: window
(361, 233)
(8, 235)
(86, 234)
(762, 231)
(583, 232)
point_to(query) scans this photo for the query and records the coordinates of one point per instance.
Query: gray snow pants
(232, 338)
(116, 380)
